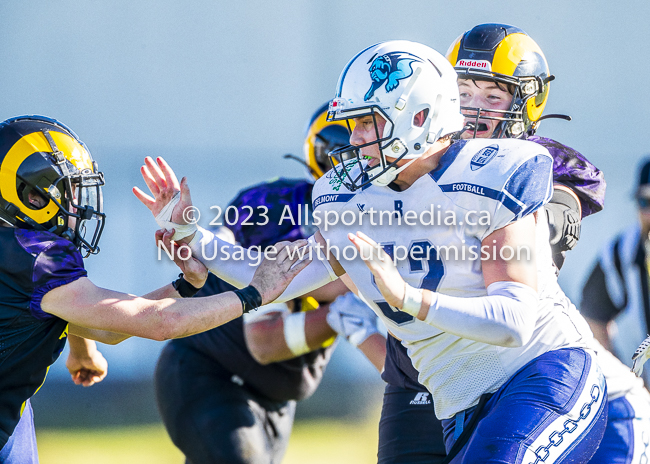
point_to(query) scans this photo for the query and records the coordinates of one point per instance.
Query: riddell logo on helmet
(482, 64)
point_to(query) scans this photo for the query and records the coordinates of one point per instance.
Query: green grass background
(312, 442)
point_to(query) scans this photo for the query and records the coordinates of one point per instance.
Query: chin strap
(389, 176)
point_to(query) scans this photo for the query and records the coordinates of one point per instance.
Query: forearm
(103, 336)
(317, 330)
(177, 318)
(505, 317)
(236, 265)
(81, 347)
(113, 338)
(266, 341)
(167, 291)
(84, 304)
(329, 292)
(219, 257)
(374, 348)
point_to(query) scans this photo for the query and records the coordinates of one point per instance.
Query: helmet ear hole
(20, 189)
(420, 118)
(35, 200)
(31, 197)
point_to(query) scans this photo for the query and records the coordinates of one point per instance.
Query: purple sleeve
(572, 169)
(57, 263)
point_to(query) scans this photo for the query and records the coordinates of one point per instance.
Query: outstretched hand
(388, 279)
(164, 185)
(276, 272)
(194, 270)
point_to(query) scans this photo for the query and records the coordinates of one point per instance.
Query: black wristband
(250, 298)
(184, 288)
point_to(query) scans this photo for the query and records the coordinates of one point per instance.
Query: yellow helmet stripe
(507, 56)
(511, 51)
(23, 149)
(535, 112)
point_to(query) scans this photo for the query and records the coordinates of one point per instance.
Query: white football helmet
(398, 80)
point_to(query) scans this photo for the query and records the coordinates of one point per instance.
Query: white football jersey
(478, 187)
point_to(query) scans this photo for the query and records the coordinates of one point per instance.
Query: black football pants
(213, 420)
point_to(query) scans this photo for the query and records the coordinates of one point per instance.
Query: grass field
(312, 442)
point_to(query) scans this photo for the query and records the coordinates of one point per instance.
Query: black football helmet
(507, 55)
(49, 181)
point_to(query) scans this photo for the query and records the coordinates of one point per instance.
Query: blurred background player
(229, 395)
(503, 84)
(616, 298)
(51, 211)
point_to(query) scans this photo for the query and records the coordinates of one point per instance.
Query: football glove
(640, 356)
(352, 319)
(563, 215)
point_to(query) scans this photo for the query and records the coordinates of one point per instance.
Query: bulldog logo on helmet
(389, 68)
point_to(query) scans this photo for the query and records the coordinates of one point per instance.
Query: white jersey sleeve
(505, 180)
(527, 189)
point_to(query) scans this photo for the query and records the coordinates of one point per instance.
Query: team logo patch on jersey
(481, 64)
(389, 68)
(338, 172)
(483, 157)
(421, 398)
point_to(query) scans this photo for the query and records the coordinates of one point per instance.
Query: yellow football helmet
(321, 138)
(48, 177)
(505, 54)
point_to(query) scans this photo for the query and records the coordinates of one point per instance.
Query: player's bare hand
(87, 369)
(274, 274)
(163, 185)
(388, 279)
(194, 271)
